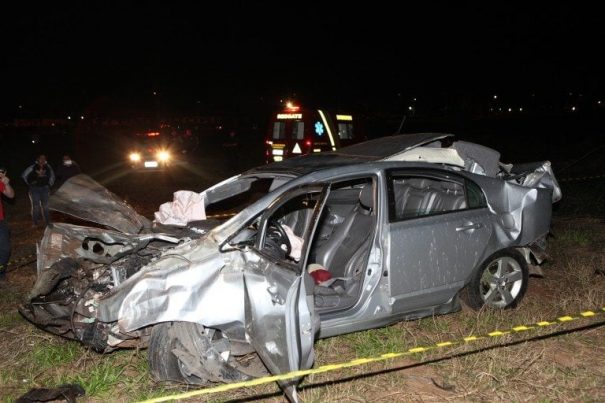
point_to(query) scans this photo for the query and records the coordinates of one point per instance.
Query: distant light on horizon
(410, 108)
(495, 96)
(573, 108)
(520, 109)
(81, 117)
(510, 109)
(69, 118)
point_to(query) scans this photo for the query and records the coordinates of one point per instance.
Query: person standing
(67, 169)
(5, 246)
(39, 178)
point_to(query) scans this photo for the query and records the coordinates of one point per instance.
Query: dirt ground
(557, 363)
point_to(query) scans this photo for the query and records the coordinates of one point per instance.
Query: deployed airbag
(186, 206)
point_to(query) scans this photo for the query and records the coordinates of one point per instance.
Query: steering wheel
(276, 233)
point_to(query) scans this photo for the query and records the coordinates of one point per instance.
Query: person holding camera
(5, 246)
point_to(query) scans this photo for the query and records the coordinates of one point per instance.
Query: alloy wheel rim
(501, 282)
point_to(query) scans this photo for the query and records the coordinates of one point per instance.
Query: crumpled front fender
(187, 284)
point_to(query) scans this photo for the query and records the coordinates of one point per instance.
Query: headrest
(419, 183)
(366, 197)
(451, 186)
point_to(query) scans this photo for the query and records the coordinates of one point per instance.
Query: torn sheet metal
(181, 285)
(94, 244)
(430, 154)
(543, 177)
(82, 197)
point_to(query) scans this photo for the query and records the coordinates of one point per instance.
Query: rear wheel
(188, 353)
(500, 282)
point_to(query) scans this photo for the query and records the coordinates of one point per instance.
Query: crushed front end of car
(78, 265)
(139, 285)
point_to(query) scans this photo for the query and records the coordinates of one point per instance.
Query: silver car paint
(235, 290)
(213, 282)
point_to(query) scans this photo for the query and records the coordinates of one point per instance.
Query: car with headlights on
(320, 245)
(150, 151)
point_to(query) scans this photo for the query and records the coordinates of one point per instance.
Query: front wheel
(500, 282)
(188, 353)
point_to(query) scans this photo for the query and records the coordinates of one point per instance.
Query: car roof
(371, 150)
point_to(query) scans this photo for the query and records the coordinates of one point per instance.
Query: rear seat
(451, 196)
(416, 197)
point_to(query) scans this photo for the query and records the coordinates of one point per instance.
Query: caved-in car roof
(371, 150)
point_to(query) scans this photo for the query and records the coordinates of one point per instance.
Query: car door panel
(432, 256)
(280, 320)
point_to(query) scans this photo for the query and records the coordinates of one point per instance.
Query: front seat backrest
(349, 236)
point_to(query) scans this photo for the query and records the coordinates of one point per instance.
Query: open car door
(280, 319)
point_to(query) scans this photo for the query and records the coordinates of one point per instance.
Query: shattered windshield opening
(233, 197)
(286, 228)
(283, 231)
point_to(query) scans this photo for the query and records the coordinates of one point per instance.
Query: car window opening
(418, 196)
(341, 245)
(235, 202)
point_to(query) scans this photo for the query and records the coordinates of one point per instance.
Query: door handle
(469, 226)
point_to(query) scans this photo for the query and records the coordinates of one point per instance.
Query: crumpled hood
(181, 285)
(82, 197)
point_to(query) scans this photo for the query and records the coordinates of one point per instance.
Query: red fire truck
(295, 131)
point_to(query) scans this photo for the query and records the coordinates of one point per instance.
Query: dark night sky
(59, 57)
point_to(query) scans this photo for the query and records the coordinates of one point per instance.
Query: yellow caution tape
(362, 361)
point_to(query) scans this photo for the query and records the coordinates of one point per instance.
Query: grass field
(563, 362)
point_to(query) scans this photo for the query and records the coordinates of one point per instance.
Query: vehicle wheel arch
(476, 293)
(186, 352)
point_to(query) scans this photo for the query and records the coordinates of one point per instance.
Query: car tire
(499, 283)
(163, 363)
(183, 352)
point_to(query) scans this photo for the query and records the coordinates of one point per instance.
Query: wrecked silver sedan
(325, 244)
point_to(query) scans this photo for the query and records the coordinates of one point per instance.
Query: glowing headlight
(163, 155)
(135, 157)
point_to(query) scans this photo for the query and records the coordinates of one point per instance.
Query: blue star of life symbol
(319, 128)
